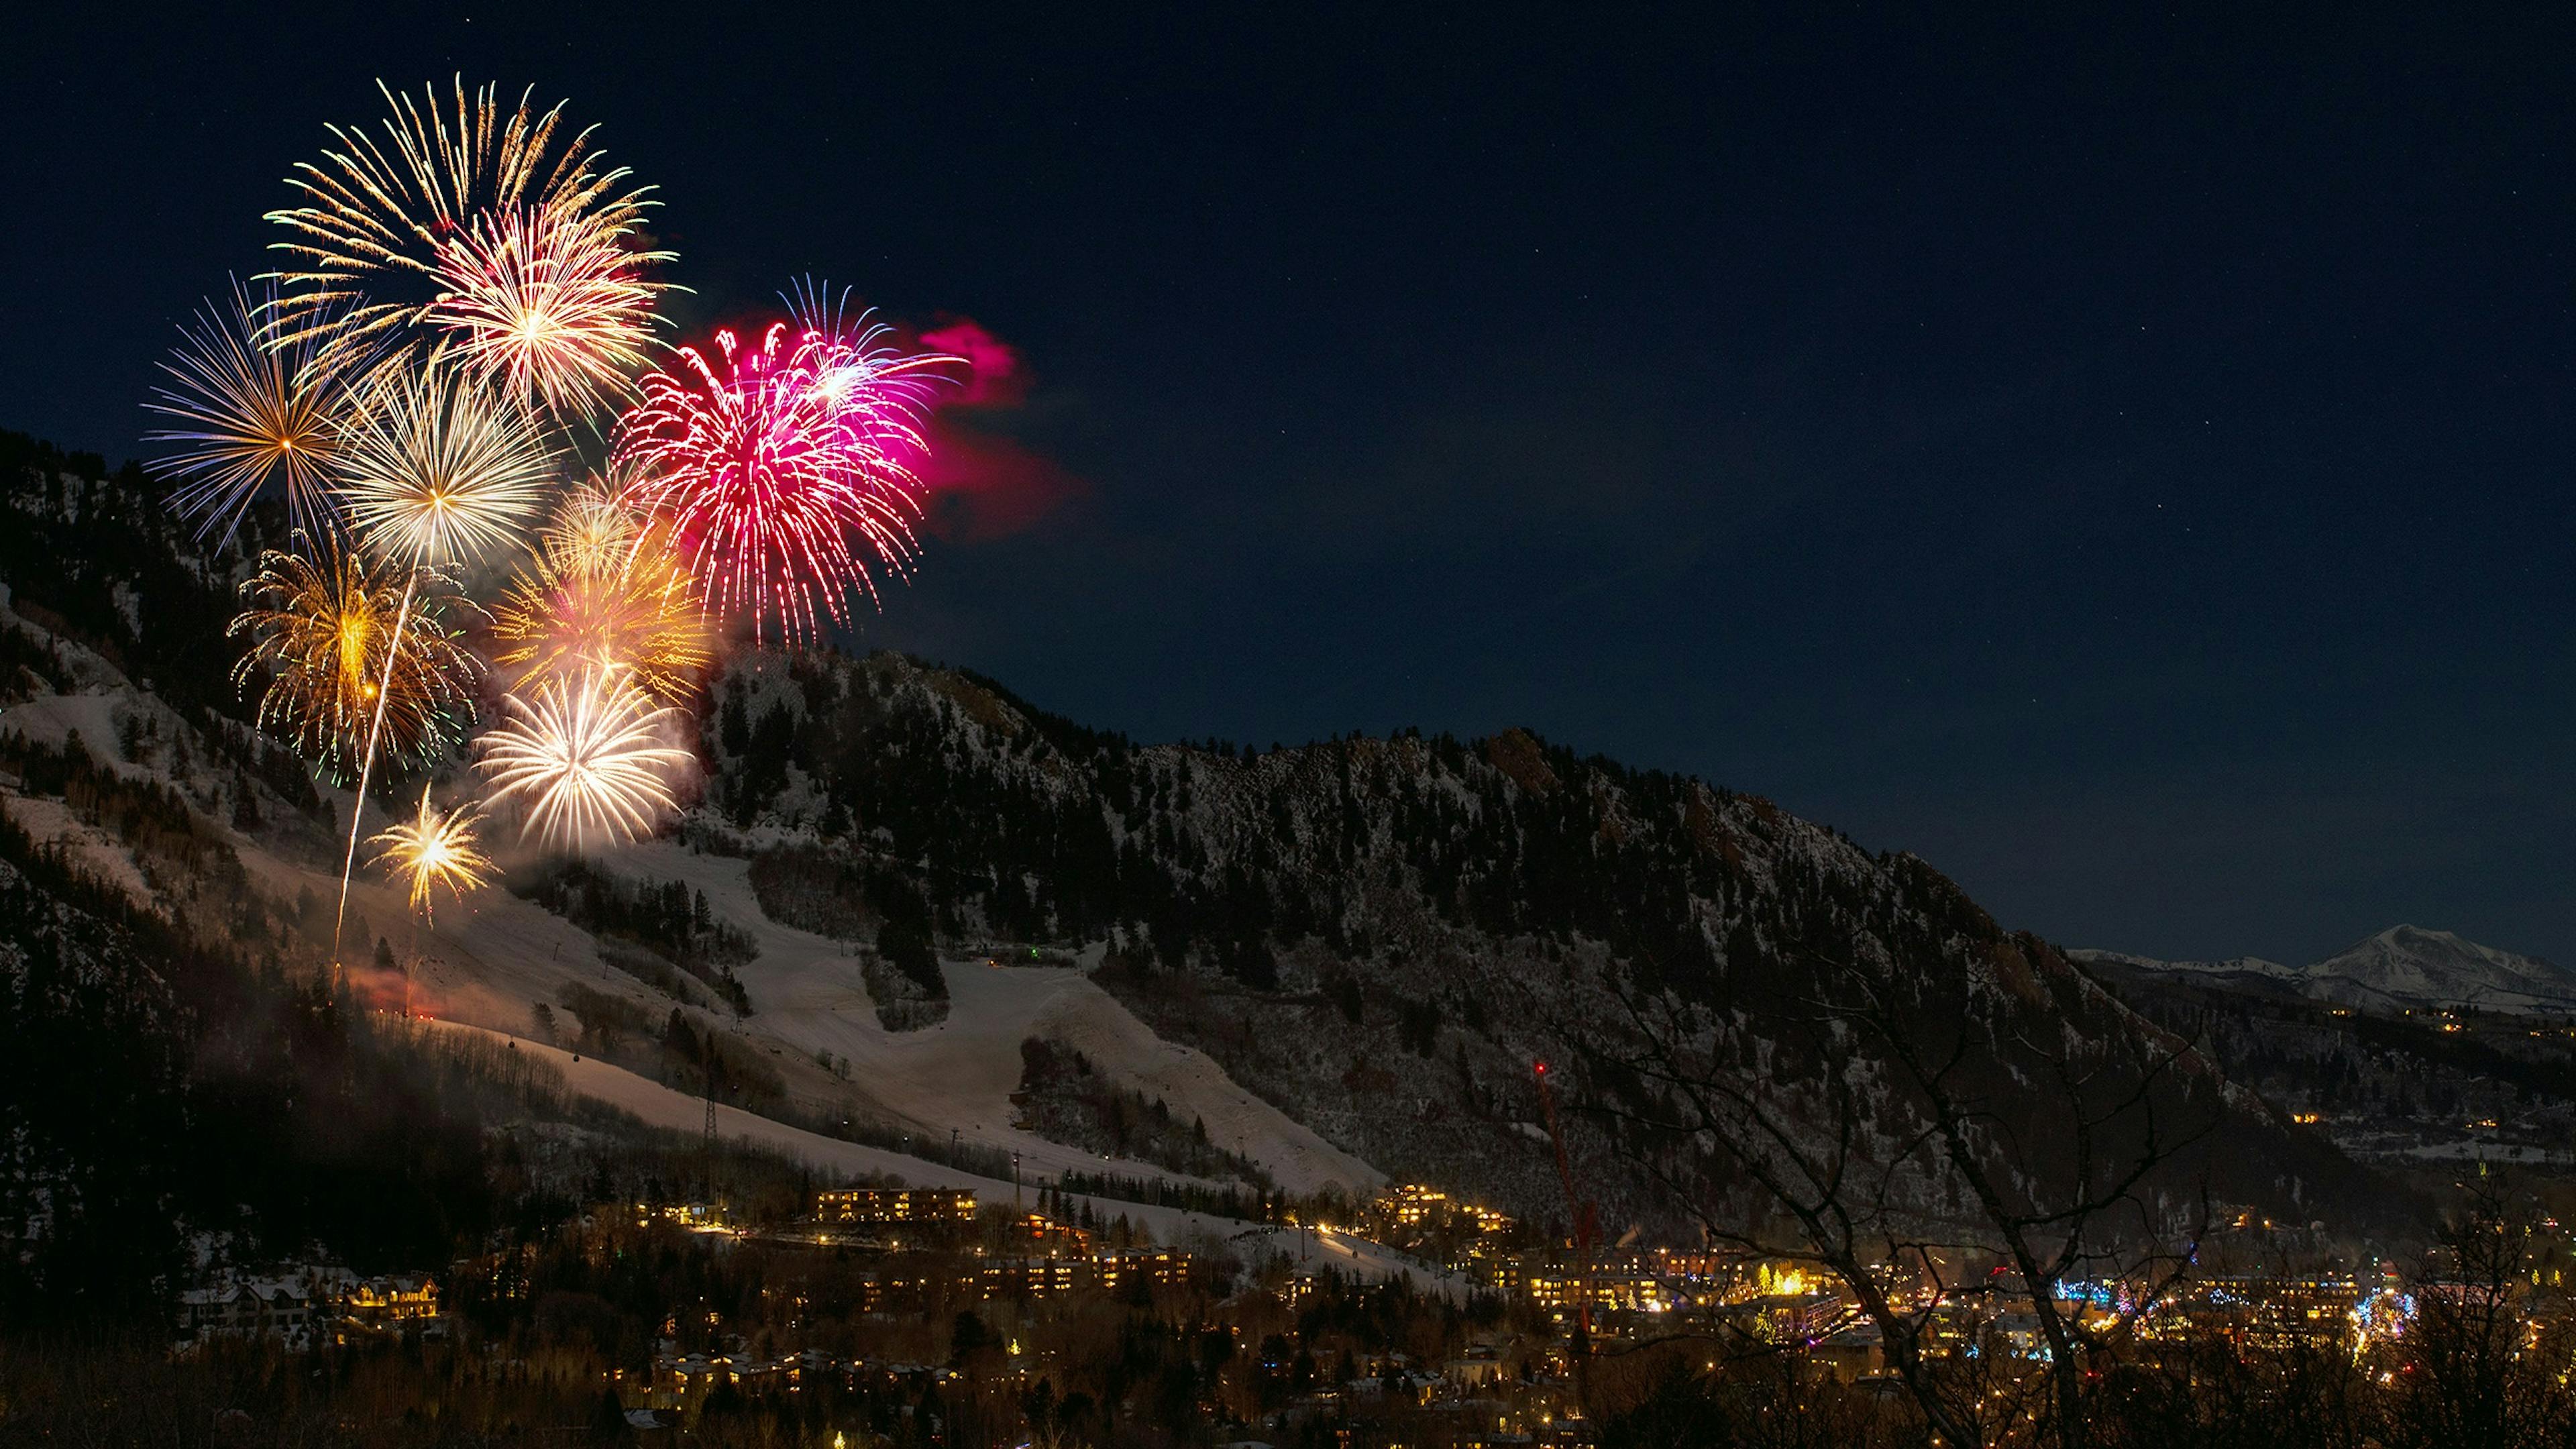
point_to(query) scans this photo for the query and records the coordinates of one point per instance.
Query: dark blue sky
(2121, 460)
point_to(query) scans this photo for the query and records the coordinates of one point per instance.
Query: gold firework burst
(435, 470)
(384, 217)
(584, 759)
(596, 527)
(602, 593)
(323, 629)
(433, 849)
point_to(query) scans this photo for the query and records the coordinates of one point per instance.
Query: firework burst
(245, 416)
(602, 593)
(596, 528)
(436, 470)
(549, 303)
(384, 218)
(434, 849)
(323, 628)
(584, 758)
(782, 470)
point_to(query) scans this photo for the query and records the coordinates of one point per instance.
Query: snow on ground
(660, 1106)
(48, 718)
(489, 959)
(806, 992)
(50, 822)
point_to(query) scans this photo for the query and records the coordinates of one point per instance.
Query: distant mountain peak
(2416, 964)
(2403, 965)
(2232, 966)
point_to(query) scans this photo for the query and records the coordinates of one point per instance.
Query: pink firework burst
(784, 471)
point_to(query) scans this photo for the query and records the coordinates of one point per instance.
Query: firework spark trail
(585, 759)
(246, 416)
(366, 767)
(379, 216)
(778, 472)
(437, 471)
(434, 848)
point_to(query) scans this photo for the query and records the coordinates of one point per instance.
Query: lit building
(391, 1301)
(253, 1308)
(895, 1205)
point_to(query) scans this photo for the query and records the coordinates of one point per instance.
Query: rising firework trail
(584, 759)
(435, 471)
(244, 417)
(784, 470)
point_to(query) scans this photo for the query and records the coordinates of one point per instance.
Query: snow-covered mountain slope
(2436, 968)
(2403, 966)
(1342, 957)
(2249, 968)
(806, 992)
(494, 959)
(1381, 935)
(660, 1106)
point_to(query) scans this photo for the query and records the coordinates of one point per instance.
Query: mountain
(1380, 935)
(2251, 971)
(2436, 968)
(1332, 963)
(2403, 966)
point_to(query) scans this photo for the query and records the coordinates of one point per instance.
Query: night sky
(2124, 464)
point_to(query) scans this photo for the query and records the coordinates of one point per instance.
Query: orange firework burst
(323, 627)
(433, 849)
(244, 416)
(597, 526)
(603, 593)
(435, 470)
(584, 758)
(384, 218)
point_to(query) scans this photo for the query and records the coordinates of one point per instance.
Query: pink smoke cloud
(982, 487)
(978, 484)
(994, 378)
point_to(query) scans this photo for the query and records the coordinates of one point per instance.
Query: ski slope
(489, 960)
(660, 1106)
(806, 992)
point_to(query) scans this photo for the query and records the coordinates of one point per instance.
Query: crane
(1585, 1228)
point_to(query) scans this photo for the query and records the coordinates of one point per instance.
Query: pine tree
(245, 808)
